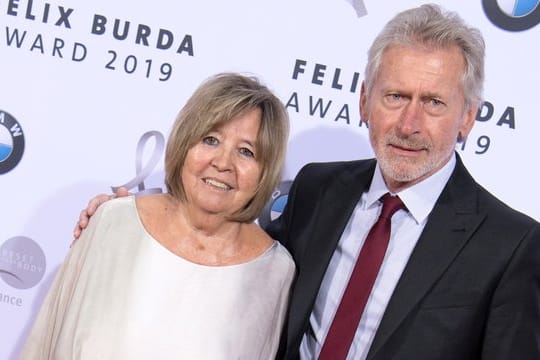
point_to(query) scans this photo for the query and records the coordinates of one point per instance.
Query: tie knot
(391, 204)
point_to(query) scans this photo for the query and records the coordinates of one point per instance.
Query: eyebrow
(250, 143)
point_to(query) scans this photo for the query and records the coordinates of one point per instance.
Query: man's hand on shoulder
(91, 208)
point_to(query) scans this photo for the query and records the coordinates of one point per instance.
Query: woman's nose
(222, 160)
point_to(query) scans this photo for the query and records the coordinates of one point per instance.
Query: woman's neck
(205, 238)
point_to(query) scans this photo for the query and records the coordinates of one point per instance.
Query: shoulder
(470, 196)
(278, 265)
(114, 208)
(330, 168)
(496, 223)
(284, 256)
(504, 215)
(151, 210)
(148, 205)
(257, 237)
(108, 219)
(278, 252)
(315, 174)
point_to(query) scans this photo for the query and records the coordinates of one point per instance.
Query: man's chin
(402, 172)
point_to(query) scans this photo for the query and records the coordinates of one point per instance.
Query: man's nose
(411, 118)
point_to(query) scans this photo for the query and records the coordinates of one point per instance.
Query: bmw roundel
(515, 15)
(11, 142)
(273, 208)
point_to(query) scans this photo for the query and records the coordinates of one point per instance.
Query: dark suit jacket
(471, 289)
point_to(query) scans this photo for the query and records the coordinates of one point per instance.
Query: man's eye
(435, 106)
(246, 152)
(436, 102)
(394, 98)
(210, 140)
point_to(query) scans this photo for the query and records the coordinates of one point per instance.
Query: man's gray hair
(432, 27)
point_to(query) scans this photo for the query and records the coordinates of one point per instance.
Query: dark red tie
(340, 336)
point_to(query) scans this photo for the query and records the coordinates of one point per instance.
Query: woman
(187, 274)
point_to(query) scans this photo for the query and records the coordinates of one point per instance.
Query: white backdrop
(75, 102)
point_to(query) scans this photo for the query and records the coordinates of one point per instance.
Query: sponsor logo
(275, 206)
(22, 262)
(11, 142)
(359, 7)
(142, 172)
(516, 15)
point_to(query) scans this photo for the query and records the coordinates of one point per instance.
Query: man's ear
(363, 103)
(469, 119)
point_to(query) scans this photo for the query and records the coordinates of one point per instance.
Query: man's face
(415, 112)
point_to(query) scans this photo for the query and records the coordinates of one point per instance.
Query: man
(460, 278)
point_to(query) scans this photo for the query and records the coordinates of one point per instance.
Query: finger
(122, 191)
(76, 233)
(94, 203)
(91, 208)
(83, 219)
(80, 225)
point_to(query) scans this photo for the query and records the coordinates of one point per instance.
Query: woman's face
(221, 172)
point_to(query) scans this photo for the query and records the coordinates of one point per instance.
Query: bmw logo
(515, 15)
(275, 206)
(11, 142)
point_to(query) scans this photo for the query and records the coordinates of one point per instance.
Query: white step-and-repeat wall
(89, 90)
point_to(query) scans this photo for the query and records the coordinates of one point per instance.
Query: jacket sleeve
(513, 325)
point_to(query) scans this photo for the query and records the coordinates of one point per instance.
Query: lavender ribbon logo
(359, 7)
(142, 172)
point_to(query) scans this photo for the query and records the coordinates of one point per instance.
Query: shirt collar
(419, 198)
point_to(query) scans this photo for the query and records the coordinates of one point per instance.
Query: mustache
(412, 143)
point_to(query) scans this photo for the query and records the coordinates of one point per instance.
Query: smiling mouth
(217, 184)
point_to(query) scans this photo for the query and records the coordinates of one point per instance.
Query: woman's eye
(247, 152)
(210, 140)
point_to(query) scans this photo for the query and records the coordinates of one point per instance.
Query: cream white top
(122, 295)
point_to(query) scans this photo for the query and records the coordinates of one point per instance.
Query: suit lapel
(451, 223)
(335, 205)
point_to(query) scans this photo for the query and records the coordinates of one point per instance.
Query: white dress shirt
(407, 225)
